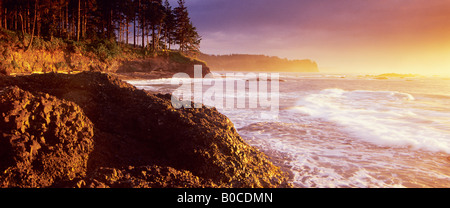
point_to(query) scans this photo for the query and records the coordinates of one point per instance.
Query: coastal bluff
(93, 130)
(248, 62)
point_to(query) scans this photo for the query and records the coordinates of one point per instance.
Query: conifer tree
(169, 25)
(185, 33)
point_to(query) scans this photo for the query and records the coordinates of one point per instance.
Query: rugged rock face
(139, 139)
(43, 139)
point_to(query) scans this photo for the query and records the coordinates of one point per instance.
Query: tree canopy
(151, 24)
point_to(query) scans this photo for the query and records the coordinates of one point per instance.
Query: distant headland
(247, 62)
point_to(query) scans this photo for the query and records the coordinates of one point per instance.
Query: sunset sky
(366, 36)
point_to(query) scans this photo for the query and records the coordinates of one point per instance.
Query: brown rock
(145, 177)
(28, 158)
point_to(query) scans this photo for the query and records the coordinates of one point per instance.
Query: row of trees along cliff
(149, 24)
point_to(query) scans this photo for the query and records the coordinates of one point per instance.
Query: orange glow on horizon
(425, 52)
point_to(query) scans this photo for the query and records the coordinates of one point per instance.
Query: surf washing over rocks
(352, 132)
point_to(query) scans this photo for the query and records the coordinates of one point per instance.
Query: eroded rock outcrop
(140, 140)
(44, 140)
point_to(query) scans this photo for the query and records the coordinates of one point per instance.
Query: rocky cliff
(65, 56)
(93, 130)
(166, 65)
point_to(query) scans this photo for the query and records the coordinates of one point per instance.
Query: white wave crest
(384, 118)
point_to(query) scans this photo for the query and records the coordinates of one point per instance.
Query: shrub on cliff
(105, 49)
(49, 45)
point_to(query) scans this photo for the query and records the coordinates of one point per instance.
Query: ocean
(337, 130)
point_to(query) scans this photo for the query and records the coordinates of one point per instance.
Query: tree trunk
(79, 20)
(119, 32)
(61, 22)
(148, 38)
(38, 20)
(166, 38)
(153, 38)
(15, 20)
(6, 19)
(169, 39)
(158, 34)
(143, 37)
(127, 30)
(22, 24)
(142, 24)
(34, 26)
(134, 32)
(72, 27)
(84, 20)
(1, 15)
(27, 20)
(111, 28)
(67, 21)
(22, 28)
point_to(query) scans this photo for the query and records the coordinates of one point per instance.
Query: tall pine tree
(169, 25)
(186, 35)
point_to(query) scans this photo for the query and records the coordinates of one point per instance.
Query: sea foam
(384, 118)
